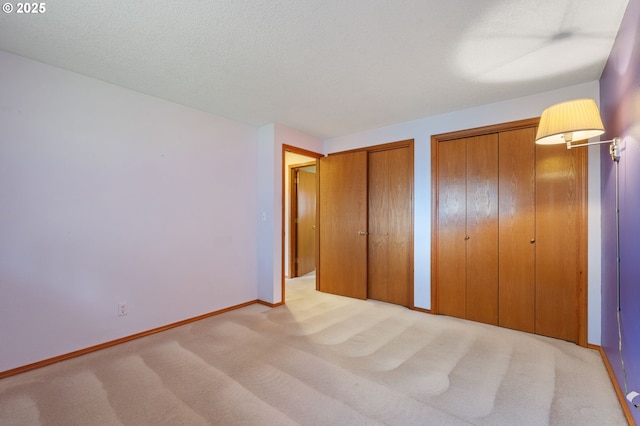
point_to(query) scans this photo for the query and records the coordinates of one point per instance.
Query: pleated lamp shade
(569, 121)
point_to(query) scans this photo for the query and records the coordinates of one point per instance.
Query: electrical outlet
(123, 309)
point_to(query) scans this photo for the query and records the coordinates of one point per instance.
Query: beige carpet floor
(321, 360)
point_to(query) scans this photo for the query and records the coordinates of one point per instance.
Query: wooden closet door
(560, 240)
(482, 229)
(451, 195)
(343, 225)
(541, 196)
(390, 265)
(516, 240)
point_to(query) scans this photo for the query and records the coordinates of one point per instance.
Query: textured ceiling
(325, 67)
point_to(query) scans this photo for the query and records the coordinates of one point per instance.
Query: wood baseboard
(426, 311)
(271, 305)
(64, 357)
(616, 386)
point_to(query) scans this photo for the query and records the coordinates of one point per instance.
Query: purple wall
(620, 108)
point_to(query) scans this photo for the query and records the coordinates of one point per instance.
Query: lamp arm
(614, 149)
(569, 145)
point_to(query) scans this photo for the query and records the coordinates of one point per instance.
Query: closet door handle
(466, 237)
(362, 233)
(531, 241)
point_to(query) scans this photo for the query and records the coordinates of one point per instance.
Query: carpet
(321, 360)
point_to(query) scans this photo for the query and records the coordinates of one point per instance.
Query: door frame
(582, 299)
(293, 214)
(301, 151)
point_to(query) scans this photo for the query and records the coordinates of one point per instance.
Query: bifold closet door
(523, 267)
(516, 240)
(482, 229)
(468, 228)
(390, 226)
(343, 225)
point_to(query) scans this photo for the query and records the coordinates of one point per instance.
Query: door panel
(517, 229)
(482, 229)
(378, 256)
(306, 222)
(400, 226)
(343, 216)
(559, 174)
(451, 246)
(390, 226)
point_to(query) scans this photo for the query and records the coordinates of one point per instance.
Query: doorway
(299, 203)
(302, 219)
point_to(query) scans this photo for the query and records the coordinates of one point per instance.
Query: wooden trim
(80, 352)
(413, 228)
(293, 231)
(318, 162)
(493, 128)
(423, 310)
(381, 147)
(303, 165)
(621, 399)
(434, 223)
(301, 151)
(583, 282)
(271, 305)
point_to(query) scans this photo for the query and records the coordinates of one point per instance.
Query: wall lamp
(579, 120)
(571, 121)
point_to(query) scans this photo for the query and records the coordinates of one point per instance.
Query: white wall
(108, 195)
(268, 241)
(421, 131)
